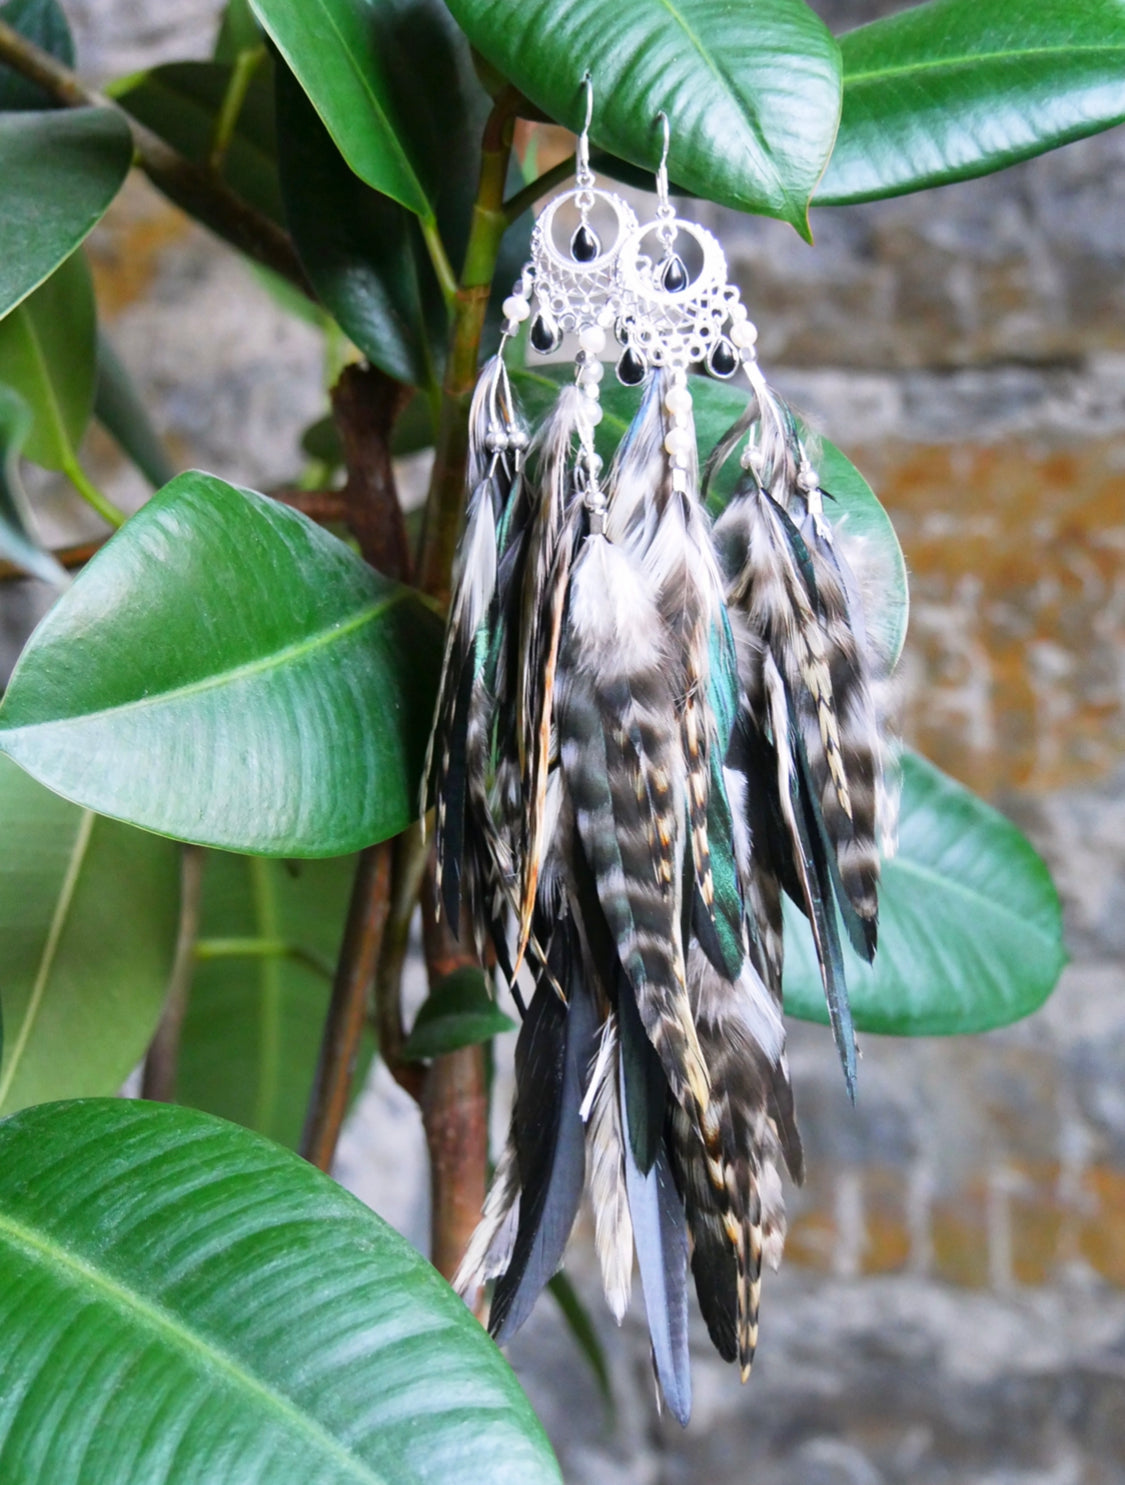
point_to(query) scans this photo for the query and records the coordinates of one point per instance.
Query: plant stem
(158, 1081)
(365, 403)
(454, 1114)
(198, 191)
(347, 1011)
(242, 75)
(91, 494)
(261, 948)
(446, 277)
(443, 505)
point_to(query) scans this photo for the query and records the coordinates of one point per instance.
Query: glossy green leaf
(18, 541)
(181, 102)
(716, 406)
(362, 63)
(970, 929)
(44, 23)
(48, 354)
(363, 252)
(957, 88)
(458, 1012)
(58, 173)
(752, 91)
(269, 935)
(224, 671)
(121, 412)
(238, 31)
(185, 1303)
(88, 912)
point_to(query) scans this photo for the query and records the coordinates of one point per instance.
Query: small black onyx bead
(723, 361)
(545, 336)
(673, 275)
(631, 368)
(584, 245)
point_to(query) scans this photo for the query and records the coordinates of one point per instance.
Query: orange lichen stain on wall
(1017, 562)
(811, 1241)
(888, 1242)
(1019, 1223)
(1101, 1240)
(125, 247)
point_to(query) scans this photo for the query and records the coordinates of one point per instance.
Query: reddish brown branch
(365, 404)
(347, 1010)
(454, 1113)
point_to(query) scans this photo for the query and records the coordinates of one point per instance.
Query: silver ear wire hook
(664, 208)
(583, 174)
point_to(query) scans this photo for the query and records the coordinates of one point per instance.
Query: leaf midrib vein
(54, 1257)
(69, 886)
(721, 77)
(397, 148)
(911, 867)
(951, 64)
(260, 666)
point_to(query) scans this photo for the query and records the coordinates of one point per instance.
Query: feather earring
(814, 717)
(593, 702)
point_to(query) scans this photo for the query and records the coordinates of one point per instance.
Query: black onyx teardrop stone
(673, 275)
(723, 361)
(584, 245)
(631, 368)
(544, 335)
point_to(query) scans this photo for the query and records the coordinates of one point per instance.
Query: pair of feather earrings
(647, 731)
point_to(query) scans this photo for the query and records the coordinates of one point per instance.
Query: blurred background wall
(952, 1306)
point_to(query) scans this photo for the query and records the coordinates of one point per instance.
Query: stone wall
(952, 1306)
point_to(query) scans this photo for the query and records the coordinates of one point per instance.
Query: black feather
(660, 1235)
(556, 1043)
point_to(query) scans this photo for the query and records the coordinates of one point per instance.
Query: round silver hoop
(674, 327)
(576, 292)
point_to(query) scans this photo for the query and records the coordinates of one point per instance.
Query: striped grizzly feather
(732, 1188)
(651, 1065)
(813, 718)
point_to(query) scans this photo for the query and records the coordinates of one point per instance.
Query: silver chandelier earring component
(678, 310)
(678, 307)
(570, 287)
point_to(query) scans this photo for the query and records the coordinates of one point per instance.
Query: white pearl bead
(744, 333)
(590, 412)
(678, 441)
(592, 371)
(592, 339)
(516, 308)
(678, 400)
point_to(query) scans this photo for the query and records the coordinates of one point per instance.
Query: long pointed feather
(605, 1164)
(555, 1044)
(660, 1233)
